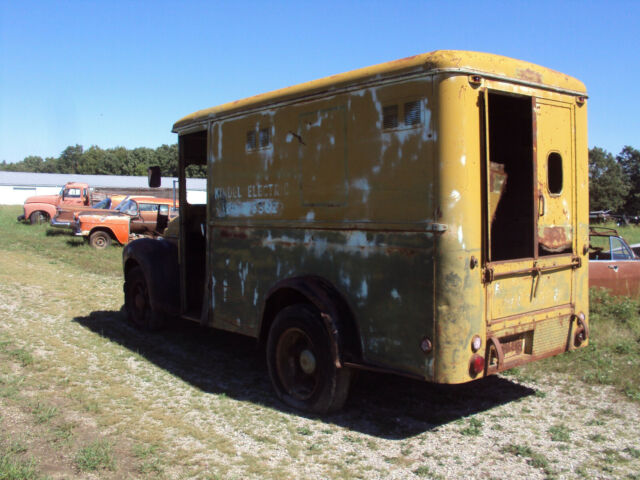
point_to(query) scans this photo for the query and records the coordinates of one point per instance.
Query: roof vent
(252, 143)
(264, 138)
(412, 113)
(390, 116)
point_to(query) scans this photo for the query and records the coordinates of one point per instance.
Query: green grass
(97, 455)
(12, 464)
(57, 245)
(44, 413)
(631, 233)
(535, 459)
(613, 354)
(560, 433)
(474, 428)
(15, 469)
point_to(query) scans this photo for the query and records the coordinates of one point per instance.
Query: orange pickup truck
(65, 214)
(135, 216)
(42, 208)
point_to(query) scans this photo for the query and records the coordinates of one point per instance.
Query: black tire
(100, 239)
(300, 364)
(137, 305)
(36, 218)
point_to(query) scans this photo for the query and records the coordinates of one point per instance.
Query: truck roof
(439, 61)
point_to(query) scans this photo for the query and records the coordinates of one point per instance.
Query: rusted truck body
(134, 216)
(42, 208)
(65, 214)
(612, 263)
(427, 217)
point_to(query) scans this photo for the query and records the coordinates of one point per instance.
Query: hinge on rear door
(487, 275)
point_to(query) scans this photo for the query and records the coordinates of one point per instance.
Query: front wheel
(302, 371)
(99, 239)
(36, 218)
(137, 302)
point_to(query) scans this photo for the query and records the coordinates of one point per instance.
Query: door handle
(613, 267)
(541, 205)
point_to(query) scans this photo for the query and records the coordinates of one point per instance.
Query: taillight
(477, 365)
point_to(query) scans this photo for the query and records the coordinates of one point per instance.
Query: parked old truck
(42, 208)
(426, 217)
(66, 214)
(134, 216)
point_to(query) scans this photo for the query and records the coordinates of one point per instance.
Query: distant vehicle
(599, 216)
(65, 214)
(42, 208)
(136, 216)
(613, 264)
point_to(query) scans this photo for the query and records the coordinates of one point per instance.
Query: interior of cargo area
(511, 196)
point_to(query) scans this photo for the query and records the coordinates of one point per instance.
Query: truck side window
(554, 173)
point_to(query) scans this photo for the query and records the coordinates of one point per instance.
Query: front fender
(159, 262)
(29, 208)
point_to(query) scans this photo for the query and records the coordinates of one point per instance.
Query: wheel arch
(105, 230)
(158, 260)
(337, 315)
(47, 209)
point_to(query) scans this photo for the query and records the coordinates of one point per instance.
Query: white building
(16, 187)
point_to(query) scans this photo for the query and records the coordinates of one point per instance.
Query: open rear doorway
(511, 177)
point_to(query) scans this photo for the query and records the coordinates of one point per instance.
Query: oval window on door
(554, 173)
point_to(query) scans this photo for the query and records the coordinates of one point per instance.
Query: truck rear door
(530, 223)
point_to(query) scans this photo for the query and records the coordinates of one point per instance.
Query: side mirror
(154, 177)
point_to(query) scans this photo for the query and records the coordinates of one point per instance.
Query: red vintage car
(612, 263)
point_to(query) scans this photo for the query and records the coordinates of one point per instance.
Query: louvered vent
(390, 116)
(251, 140)
(264, 138)
(412, 113)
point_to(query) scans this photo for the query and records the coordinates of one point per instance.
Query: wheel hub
(307, 362)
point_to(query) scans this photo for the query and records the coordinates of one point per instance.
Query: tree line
(614, 181)
(98, 161)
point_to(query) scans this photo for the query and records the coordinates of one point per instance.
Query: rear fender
(336, 314)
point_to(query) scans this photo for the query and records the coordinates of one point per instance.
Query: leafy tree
(629, 160)
(70, 159)
(608, 186)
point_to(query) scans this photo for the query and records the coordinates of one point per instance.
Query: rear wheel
(100, 239)
(137, 303)
(300, 364)
(36, 218)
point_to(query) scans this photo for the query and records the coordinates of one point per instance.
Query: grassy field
(85, 395)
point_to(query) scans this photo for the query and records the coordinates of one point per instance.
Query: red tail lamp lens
(477, 364)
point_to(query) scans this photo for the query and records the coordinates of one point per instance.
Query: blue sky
(120, 73)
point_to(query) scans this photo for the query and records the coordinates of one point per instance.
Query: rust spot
(232, 233)
(554, 239)
(407, 252)
(529, 75)
(404, 60)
